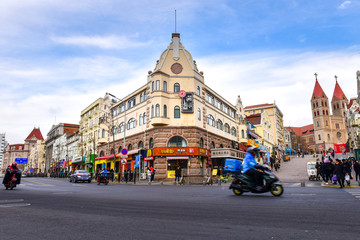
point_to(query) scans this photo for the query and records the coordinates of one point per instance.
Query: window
(218, 104)
(313, 105)
(157, 110)
(165, 111)
(328, 136)
(232, 113)
(130, 147)
(151, 143)
(201, 142)
(144, 118)
(144, 96)
(176, 87)
(323, 112)
(176, 112)
(112, 151)
(210, 98)
(242, 134)
(152, 86)
(132, 102)
(211, 120)
(199, 114)
(157, 87)
(212, 145)
(103, 133)
(337, 126)
(101, 153)
(226, 109)
(131, 123)
(177, 141)
(140, 120)
(140, 145)
(314, 114)
(198, 90)
(334, 106)
(165, 86)
(121, 127)
(233, 131)
(120, 148)
(152, 111)
(113, 130)
(141, 97)
(319, 137)
(327, 112)
(219, 124)
(337, 105)
(326, 123)
(325, 104)
(122, 107)
(227, 128)
(317, 104)
(317, 124)
(114, 112)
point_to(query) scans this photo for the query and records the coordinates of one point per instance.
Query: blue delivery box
(232, 165)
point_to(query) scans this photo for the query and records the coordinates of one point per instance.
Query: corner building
(175, 119)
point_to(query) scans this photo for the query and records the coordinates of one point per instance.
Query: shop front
(78, 164)
(191, 161)
(89, 163)
(219, 155)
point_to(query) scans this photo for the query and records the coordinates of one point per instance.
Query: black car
(80, 175)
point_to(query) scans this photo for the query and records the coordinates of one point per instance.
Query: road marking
(14, 205)
(303, 194)
(44, 184)
(11, 200)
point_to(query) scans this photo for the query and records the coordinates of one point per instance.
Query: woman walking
(339, 172)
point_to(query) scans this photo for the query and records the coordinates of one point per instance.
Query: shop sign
(179, 151)
(252, 143)
(171, 174)
(187, 104)
(225, 154)
(148, 158)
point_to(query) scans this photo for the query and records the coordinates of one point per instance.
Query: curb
(337, 186)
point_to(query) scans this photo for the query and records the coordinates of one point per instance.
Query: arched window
(103, 133)
(176, 112)
(198, 90)
(176, 87)
(144, 96)
(140, 120)
(314, 114)
(233, 131)
(177, 141)
(130, 147)
(319, 137)
(144, 118)
(112, 151)
(201, 142)
(212, 145)
(242, 133)
(211, 120)
(221, 146)
(165, 86)
(101, 153)
(219, 124)
(152, 86)
(152, 111)
(131, 123)
(122, 127)
(165, 111)
(227, 128)
(140, 145)
(113, 130)
(120, 148)
(157, 87)
(317, 123)
(199, 114)
(326, 123)
(157, 110)
(151, 143)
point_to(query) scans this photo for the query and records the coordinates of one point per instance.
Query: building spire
(336, 77)
(316, 76)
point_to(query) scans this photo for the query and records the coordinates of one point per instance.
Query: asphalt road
(56, 209)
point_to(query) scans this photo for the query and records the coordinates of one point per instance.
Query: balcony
(160, 121)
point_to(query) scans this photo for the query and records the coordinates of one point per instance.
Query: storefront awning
(105, 157)
(177, 158)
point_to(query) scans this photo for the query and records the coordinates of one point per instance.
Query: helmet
(253, 149)
(14, 163)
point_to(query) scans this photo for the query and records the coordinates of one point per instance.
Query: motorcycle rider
(252, 168)
(9, 171)
(103, 174)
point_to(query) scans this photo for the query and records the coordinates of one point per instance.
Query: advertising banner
(340, 148)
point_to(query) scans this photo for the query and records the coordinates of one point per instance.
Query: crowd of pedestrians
(338, 171)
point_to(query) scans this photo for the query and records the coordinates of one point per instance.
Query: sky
(57, 57)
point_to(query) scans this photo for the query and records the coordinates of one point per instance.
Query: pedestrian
(277, 165)
(112, 175)
(177, 174)
(149, 174)
(153, 171)
(328, 169)
(130, 175)
(339, 172)
(126, 175)
(357, 170)
(347, 171)
(317, 166)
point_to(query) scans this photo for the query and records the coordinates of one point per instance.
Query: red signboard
(340, 148)
(180, 151)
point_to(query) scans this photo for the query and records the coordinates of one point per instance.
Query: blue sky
(58, 56)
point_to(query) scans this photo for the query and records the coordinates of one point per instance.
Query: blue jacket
(249, 162)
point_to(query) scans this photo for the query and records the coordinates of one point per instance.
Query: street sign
(21, 160)
(123, 161)
(124, 151)
(124, 156)
(182, 93)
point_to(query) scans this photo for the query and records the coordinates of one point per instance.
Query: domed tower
(339, 101)
(321, 116)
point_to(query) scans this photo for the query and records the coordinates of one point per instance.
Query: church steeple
(318, 91)
(339, 100)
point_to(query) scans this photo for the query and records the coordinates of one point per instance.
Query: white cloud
(344, 5)
(287, 78)
(105, 42)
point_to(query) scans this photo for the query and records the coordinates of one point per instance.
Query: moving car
(80, 175)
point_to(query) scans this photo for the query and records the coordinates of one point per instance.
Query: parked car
(80, 175)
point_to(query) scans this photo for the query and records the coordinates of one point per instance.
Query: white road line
(14, 205)
(11, 200)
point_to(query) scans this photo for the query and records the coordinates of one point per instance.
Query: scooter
(11, 179)
(104, 180)
(244, 183)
